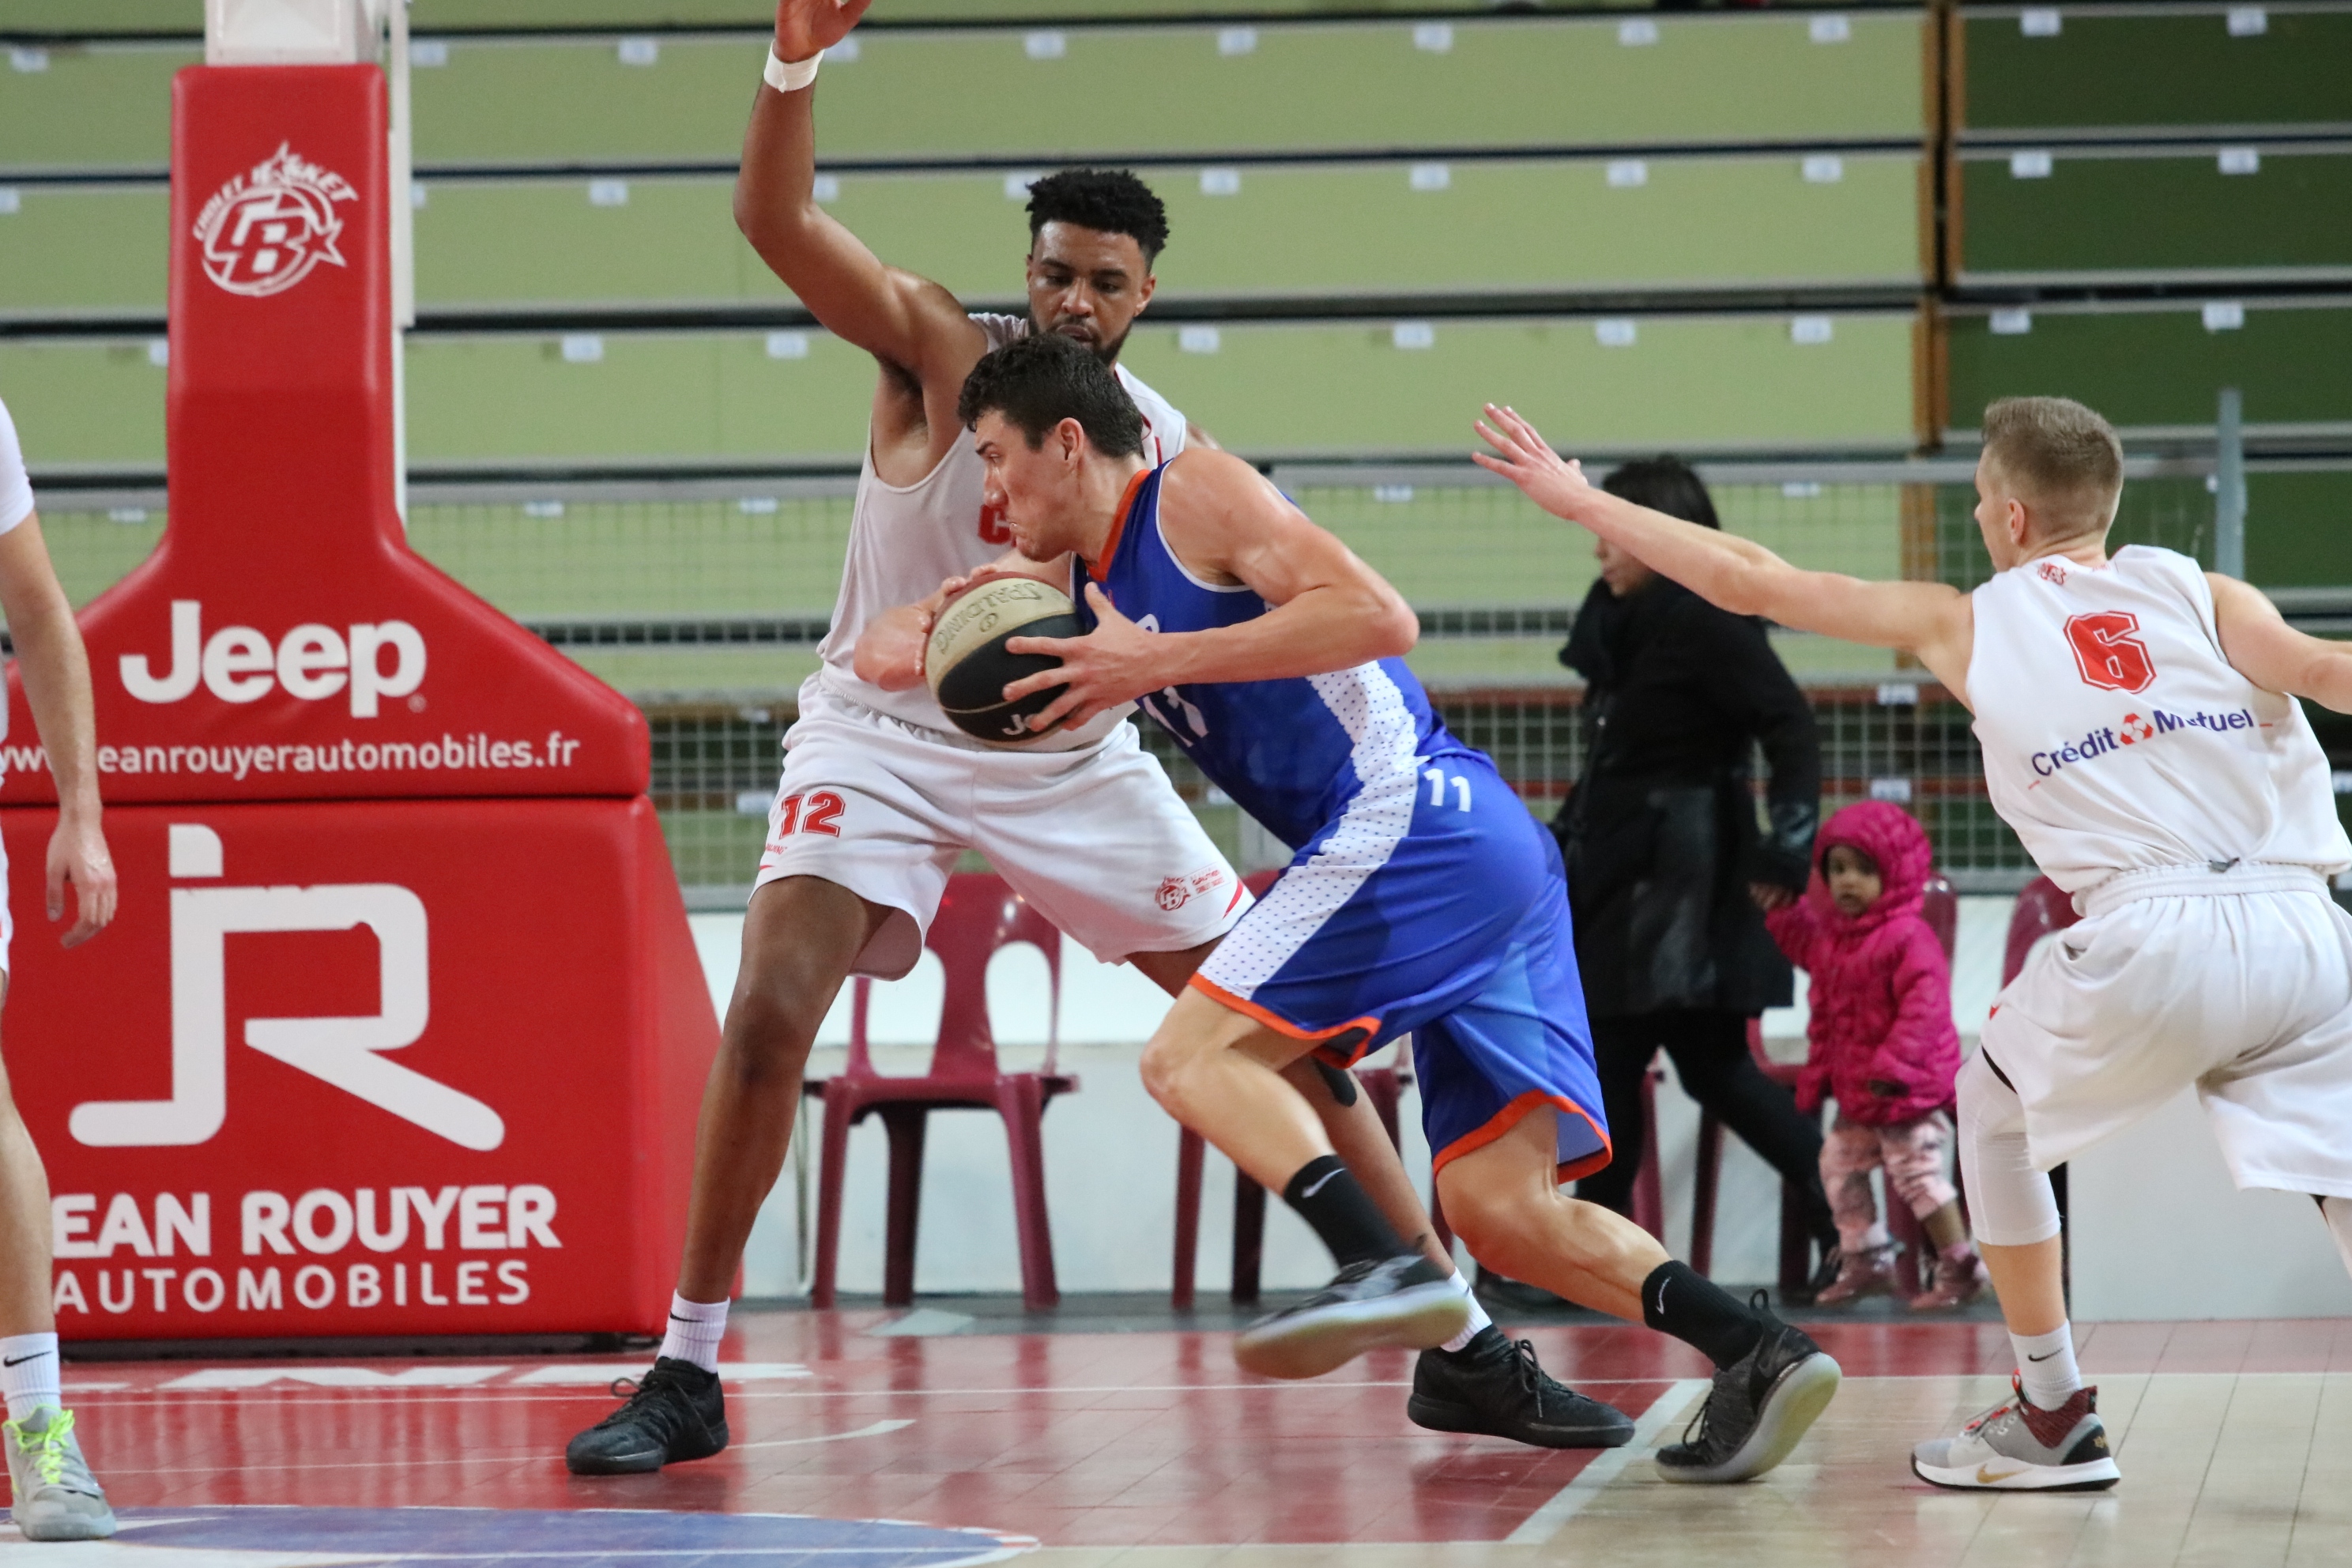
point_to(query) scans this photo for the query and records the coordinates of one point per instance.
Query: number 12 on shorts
(818, 812)
(1438, 778)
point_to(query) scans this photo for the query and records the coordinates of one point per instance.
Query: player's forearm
(889, 652)
(1734, 573)
(56, 672)
(2328, 678)
(1320, 630)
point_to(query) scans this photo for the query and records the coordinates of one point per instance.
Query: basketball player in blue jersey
(879, 792)
(1423, 899)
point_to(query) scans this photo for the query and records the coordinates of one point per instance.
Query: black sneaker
(1493, 1386)
(1759, 1406)
(675, 1412)
(1407, 1301)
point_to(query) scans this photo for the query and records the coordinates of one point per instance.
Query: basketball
(969, 667)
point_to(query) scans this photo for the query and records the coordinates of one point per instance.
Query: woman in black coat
(1667, 870)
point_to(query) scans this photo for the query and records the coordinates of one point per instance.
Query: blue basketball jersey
(1423, 899)
(1293, 754)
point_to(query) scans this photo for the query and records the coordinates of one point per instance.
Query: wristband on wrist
(790, 75)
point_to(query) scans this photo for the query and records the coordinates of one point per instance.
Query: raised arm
(1931, 620)
(909, 321)
(2261, 645)
(1227, 524)
(56, 670)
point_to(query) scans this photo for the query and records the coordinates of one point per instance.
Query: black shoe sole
(1447, 1415)
(1313, 1341)
(1796, 1399)
(642, 1461)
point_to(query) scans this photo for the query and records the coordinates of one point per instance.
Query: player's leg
(801, 936)
(1507, 1094)
(53, 1495)
(1865, 1256)
(1358, 1136)
(1220, 1072)
(2048, 1435)
(857, 853)
(1771, 1381)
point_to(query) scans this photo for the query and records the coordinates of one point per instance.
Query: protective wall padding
(399, 1029)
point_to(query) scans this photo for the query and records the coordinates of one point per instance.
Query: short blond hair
(2062, 458)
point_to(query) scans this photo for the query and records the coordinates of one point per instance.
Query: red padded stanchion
(399, 1029)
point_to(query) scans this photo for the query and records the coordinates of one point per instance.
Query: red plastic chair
(2041, 909)
(1941, 908)
(1384, 1087)
(978, 915)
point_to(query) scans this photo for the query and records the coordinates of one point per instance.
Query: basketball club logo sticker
(264, 231)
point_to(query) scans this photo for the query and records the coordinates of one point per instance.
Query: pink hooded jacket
(1882, 989)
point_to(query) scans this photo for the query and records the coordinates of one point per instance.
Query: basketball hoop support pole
(2230, 485)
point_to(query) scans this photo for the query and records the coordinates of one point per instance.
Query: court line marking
(879, 1428)
(1566, 1503)
(498, 1393)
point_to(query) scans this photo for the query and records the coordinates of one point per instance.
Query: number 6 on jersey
(2107, 653)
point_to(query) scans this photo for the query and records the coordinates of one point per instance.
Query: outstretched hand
(1523, 456)
(1113, 665)
(805, 26)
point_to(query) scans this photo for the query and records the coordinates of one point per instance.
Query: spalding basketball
(969, 669)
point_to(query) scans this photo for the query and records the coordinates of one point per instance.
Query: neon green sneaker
(55, 1497)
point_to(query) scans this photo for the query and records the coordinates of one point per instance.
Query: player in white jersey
(54, 1496)
(2141, 734)
(880, 794)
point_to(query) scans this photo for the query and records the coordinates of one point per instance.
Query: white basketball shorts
(1095, 838)
(2238, 982)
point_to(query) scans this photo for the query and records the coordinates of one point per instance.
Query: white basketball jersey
(2117, 738)
(905, 540)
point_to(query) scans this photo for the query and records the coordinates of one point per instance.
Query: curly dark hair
(1039, 380)
(1111, 200)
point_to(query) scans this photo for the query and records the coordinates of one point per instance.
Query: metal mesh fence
(642, 590)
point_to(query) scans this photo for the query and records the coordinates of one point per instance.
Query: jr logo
(345, 1052)
(237, 664)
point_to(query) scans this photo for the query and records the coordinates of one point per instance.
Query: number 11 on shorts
(1437, 779)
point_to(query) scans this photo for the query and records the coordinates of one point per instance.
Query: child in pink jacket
(1883, 1045)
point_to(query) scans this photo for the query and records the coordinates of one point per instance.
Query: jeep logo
(313, 662)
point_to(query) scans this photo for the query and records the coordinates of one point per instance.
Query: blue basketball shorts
(1445, 918)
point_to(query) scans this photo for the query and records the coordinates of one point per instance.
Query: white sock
(28, 1374)
(2338, 1211)
(2045, 1364)
(1478, 1317)
(694, 1330)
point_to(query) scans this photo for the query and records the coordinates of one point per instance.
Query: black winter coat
(1660, 837)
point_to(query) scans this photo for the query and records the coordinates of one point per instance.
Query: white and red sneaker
(2018, 1447)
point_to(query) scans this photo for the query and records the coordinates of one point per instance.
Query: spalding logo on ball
(969, 669)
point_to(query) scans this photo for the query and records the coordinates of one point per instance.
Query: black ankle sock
(1677, 1300)
(1328, 1197)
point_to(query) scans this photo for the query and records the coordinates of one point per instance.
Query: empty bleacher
(1806, 246)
